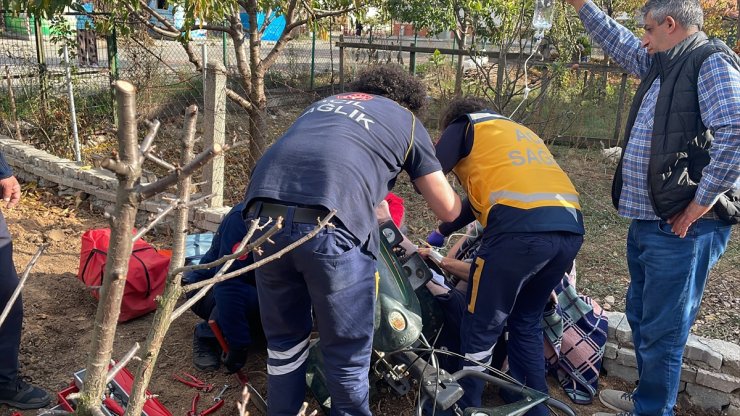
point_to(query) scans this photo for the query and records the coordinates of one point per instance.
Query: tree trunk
(258, 123)
(128, 170)
(460, 56)
(172, 291)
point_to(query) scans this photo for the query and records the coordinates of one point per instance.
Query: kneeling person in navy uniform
(232, 304)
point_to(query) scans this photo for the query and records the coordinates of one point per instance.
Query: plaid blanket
(575, 331)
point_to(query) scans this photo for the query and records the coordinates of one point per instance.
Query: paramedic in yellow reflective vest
(533, 229)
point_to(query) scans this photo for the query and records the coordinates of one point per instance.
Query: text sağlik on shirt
(348, 108)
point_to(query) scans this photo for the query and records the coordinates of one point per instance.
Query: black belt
(301, 214)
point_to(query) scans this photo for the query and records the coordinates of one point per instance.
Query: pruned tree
(126, 164)
(502, 25)
(252, 63)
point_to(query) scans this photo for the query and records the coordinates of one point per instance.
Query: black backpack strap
(146, 270)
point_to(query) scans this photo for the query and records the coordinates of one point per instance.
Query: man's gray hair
(686, 12)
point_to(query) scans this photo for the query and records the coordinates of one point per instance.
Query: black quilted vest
(680, 142)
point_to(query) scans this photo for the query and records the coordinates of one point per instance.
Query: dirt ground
(59, 317)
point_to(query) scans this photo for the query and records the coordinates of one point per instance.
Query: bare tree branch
(116, 166)
(22, 282)
(268, 259)
(146, 144)
(167, 301)
(285, 37)
(199, 200)
(149, 190)
(173, 33)
(119, 253)
(241, 250)
(124, 361)
(156, 220)
(159, 162)
(243, 102)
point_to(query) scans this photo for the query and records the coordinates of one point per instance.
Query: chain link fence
(42, 111)
(37, 105)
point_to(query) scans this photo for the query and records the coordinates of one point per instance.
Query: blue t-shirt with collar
(344, 152)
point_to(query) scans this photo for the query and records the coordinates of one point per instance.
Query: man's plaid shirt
(719, 103)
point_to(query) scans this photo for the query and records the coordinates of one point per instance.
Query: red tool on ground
(218, 403)
(194, 382)
(257, 399)
(111, 404)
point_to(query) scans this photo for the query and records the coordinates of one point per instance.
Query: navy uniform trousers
(511, 280)
(10, 332)
(333, 276)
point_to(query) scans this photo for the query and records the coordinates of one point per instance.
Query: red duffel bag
(147, 272)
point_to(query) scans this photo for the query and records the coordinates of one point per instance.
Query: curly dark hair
(459, 107)
(392, 81)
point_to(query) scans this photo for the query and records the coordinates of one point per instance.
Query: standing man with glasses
(677, 180)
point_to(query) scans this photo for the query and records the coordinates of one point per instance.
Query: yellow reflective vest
(510, 168)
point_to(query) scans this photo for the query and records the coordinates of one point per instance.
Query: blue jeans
(331, 275)
(667, 279)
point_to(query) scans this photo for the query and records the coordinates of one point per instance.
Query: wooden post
(214, 131)
(622, 92)
(341, 63)
(412, 59)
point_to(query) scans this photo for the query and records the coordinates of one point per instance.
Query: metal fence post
(313, 57)
(72, 111)
(214, 131)
(112, 45)
(41, 58)
(226, 54)
(341, 63)
(412, 59)
(622, 93)
(204, 59)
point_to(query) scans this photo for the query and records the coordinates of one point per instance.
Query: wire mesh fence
(35, 71)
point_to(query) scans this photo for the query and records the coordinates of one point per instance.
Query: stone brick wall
(710, 377)
(30, 164)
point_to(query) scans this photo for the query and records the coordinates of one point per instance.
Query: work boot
(206, 353)
(24, 396)
(617, 400)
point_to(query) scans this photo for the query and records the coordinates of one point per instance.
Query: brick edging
(710, 375)
(31, 164)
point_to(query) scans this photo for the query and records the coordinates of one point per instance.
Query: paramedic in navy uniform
(344, 152)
